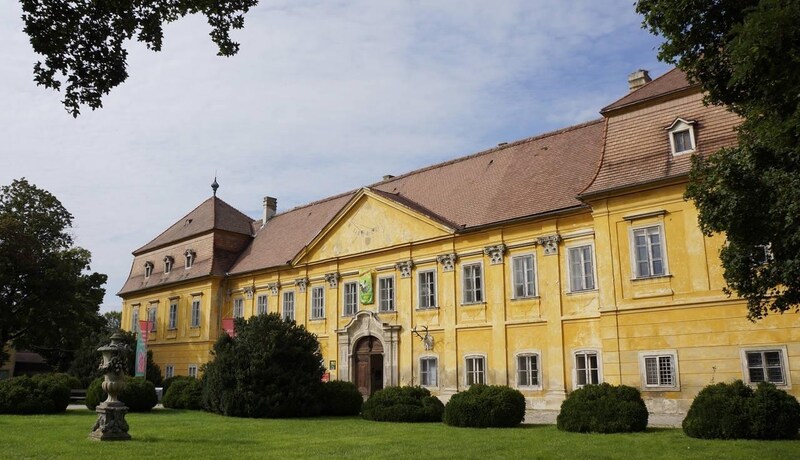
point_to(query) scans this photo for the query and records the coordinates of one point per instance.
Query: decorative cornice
(495, 253)
(549, 243)
(405, 267)
(273, 288)
(332, 279)
(447, 261)
(248, 291)
(301, 284)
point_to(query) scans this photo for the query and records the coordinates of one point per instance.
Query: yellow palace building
(545, 264)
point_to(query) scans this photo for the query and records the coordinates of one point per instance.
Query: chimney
(270, 207)
(388, 176)
(637, 79)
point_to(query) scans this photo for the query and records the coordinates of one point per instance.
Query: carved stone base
(111, 424)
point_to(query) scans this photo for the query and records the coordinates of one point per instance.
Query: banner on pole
(366, 294)
(141, 348)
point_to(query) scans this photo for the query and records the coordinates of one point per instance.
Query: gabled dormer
(681, 135)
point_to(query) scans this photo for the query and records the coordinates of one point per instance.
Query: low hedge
(603, 408)
(341, 398)
(167, 382)
(139, 394)
(184, 393)
(484, 406)
(40, 394)
(403, 404)
(735, 411)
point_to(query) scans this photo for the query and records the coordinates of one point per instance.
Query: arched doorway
(368, 365)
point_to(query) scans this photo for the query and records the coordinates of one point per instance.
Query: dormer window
(681, 136)
(148, 269)
(168, 262)
(190, 255)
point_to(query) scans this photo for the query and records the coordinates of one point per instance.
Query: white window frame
(386, 302)
(168, 262)
(169, 371)
(586, 352)
(196, 306)
(662, 241)
(475, 293)
(478, 376)
(525, 283)
(189, 259)
(192, 370)
(238, 307)
(658, 356)
(148, 269)
(784, 361)
(287, 306)
(582, 287)
(350, 299)
(423, 374)
(135, 319)
(262, 304)
(528, 354)
(318, 302)
(431, 302)
(173, 315)
(152, 317)
(680, 126)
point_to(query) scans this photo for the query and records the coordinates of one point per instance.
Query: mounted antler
(427, 339)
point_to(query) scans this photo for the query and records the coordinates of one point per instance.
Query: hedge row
(40, 394)
(139, 394)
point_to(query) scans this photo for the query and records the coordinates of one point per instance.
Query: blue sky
(323, 97)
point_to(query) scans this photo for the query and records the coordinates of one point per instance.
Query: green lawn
(184, 434)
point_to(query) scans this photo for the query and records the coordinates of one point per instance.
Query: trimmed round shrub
(735, 411)
(403, 404)
(341, 398)
(185, 393)
(484, 406)
(41, 394)
(166, 383)
(603, 408)
(139, 394)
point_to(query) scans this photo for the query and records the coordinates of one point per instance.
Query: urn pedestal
(111, 424)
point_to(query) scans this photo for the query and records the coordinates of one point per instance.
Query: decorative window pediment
(682, 136)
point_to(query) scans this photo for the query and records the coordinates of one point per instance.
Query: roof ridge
(612, 106)
(172, 225)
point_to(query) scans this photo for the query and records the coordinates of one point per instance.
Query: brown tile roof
(212, 214)
(671, 82)
(526, 178)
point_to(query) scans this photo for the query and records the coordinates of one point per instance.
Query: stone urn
(111, 424)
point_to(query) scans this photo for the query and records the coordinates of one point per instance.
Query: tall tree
(746, 56)
(48, 299)
(83, 41)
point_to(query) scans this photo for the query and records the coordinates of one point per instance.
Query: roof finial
(215, 185)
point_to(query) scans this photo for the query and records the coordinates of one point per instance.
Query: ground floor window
(476, 370)
(659, 369)
(766, 365)
(587, 369)
(428, 366)
(193, 370)
(528, 370)
(169, 371)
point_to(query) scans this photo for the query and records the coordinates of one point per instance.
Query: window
(648, 252)
(168, 264)
(190, 255)
(659, 369)
(261, 303)
(681, 136)
(148, 269)
(151, 317)
(169, 371)
(238, 308)
(476, 370)
(528, 370)
(173, 314)
(523, 276)
(473, 283)
(428, 370)
(195, 312)
(427, 289)
(350, 299)
(386, 293)
(193, 370)
(766, 366)
(288, 306)
(581, 268)
(587, 369)
(317, 302)
(135, 319)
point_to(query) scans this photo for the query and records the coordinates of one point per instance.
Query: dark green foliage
(745, 55)
(340, 398)
(40, 394)
(735, 411)
(484, 406)
(272, 368)
(166, 383)
(603, 408)
(87, 358)
(403, 404)
(49, 300)
(139, 394)
(185, 393)
(83, 42)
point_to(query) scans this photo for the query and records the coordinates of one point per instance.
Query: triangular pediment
(371, 222)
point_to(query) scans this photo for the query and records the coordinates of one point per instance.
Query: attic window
(148, 269)
(190, 255)
(168, 262)
(681, 136)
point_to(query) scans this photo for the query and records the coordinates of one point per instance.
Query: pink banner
(227, 326)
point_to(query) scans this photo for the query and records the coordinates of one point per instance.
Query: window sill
(529, 387)
(528, 297)
(583, 291)
(473, 304)
(427, 308)
(654, 277)
(387, 311)
(317, 319)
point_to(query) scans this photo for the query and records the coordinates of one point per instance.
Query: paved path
(548, 417)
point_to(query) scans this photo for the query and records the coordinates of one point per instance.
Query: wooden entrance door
(368, 365)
